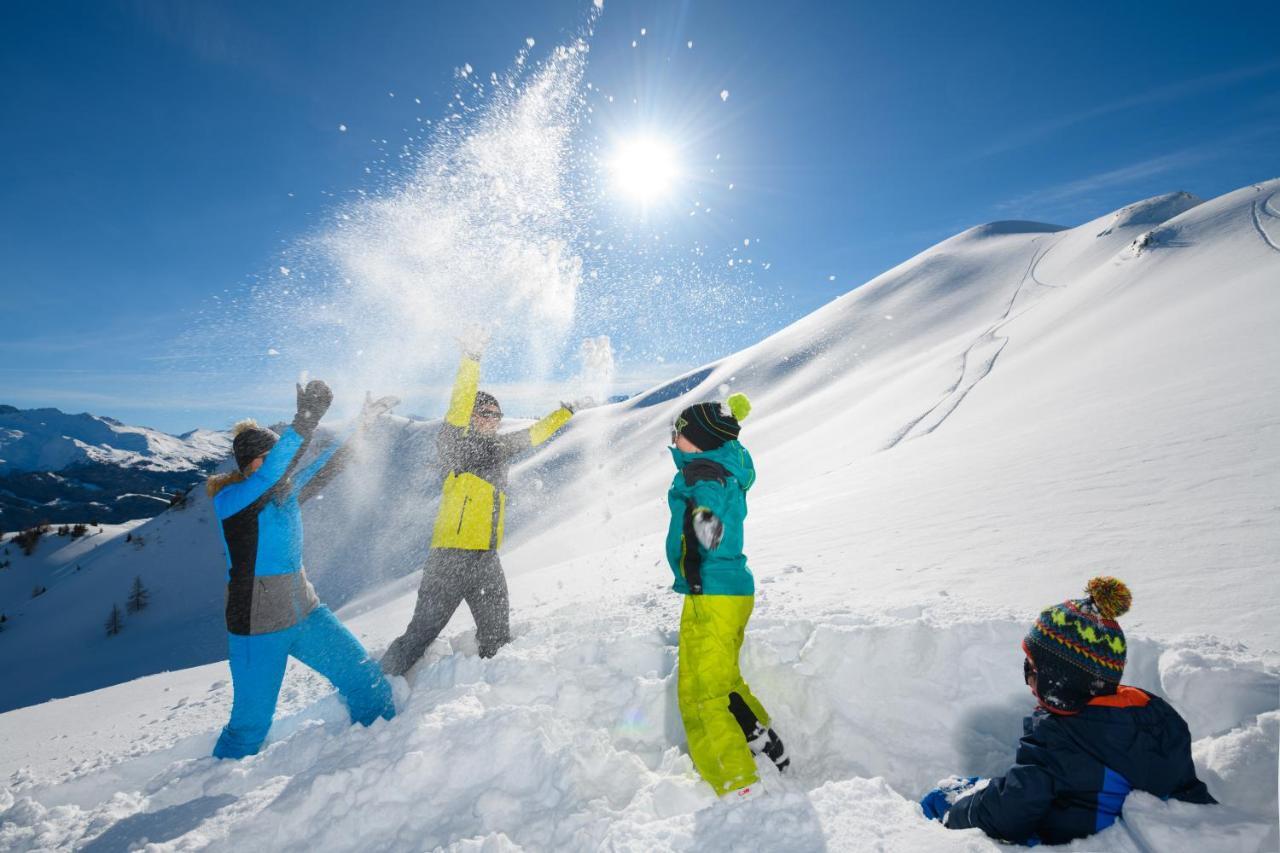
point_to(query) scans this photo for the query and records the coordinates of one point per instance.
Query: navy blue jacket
(1073, 772)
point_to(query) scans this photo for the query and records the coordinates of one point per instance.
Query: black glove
(313, 402)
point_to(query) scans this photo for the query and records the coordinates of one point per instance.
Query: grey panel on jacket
(281, 601)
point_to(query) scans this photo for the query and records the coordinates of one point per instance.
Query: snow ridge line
(1257, 208)
(954, 396)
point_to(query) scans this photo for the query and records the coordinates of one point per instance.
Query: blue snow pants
(257, 669)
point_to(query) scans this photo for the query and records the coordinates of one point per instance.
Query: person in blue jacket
(1090, 742)
(272, 610)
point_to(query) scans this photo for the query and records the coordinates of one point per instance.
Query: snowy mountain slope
(1116, 422)
(61, 468)
(943, 451)
(50, 440)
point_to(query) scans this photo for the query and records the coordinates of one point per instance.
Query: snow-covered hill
(59, 467)
(942, 452)
(50, 440)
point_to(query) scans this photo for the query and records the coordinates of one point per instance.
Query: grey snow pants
(451, 576)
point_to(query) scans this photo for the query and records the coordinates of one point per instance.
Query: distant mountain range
(60, 467)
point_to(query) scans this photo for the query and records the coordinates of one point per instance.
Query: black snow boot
(768, 742)
(759, 737)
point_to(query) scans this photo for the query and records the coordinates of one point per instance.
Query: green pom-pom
(1110, 595)
(739, 405)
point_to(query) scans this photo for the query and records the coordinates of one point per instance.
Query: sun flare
(644, 168)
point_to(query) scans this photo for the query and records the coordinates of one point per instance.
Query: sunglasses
(676, 426)
(488, 414)
(1028, 670)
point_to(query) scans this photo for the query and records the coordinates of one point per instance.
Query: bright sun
(644, 168)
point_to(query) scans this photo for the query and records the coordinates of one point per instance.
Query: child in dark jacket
(1090, 741)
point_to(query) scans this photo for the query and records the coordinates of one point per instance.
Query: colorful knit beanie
(1078, 648)
(710, 425)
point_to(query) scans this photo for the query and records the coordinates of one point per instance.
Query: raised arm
(457, 420)
(237, 496)
(333, 460)
(525, 439)
(313, 402)
(311, 480)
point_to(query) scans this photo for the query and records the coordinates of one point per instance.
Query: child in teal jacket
(725, 724)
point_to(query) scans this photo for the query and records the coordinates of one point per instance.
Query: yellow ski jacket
(474, 501)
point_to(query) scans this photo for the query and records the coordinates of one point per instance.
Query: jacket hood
(732, 455)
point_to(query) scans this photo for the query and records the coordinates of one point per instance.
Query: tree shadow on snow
(159, 826)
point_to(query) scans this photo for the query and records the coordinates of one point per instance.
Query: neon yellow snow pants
(711, 634)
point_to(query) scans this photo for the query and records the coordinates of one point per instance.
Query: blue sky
(155, 155)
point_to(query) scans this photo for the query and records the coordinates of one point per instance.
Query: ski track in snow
(1264, 206)
(976, 362)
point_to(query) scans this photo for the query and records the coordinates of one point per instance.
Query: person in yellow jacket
(463, 561)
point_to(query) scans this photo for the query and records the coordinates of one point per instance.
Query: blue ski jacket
(267, 588)
(1073, 772)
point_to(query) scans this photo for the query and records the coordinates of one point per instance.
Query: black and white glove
(374, 409)
(313, 402)
(707, 528)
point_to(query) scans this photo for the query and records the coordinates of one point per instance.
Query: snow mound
(570, 740)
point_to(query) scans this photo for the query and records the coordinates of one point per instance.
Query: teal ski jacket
(716, 481)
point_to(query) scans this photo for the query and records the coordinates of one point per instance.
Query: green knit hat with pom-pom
(710, 425)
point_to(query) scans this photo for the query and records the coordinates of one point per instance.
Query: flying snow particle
(831, 278)
(391, 94)
(342, 128)
(690, 44)
(724, 94)
(284, 271)
(746, 242)
(888, 316)
(730, 186)
(417, 100)
(633, 42)
(530, 42)
(467, 68)
(273, 351)
(643, 31)
(599, 4)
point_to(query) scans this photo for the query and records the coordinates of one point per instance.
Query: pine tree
(139, 596)
(114, 622)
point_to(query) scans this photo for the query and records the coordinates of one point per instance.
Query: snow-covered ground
(943, 451)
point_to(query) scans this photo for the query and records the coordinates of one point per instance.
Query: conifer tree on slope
(139, 596)
(114, 622)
